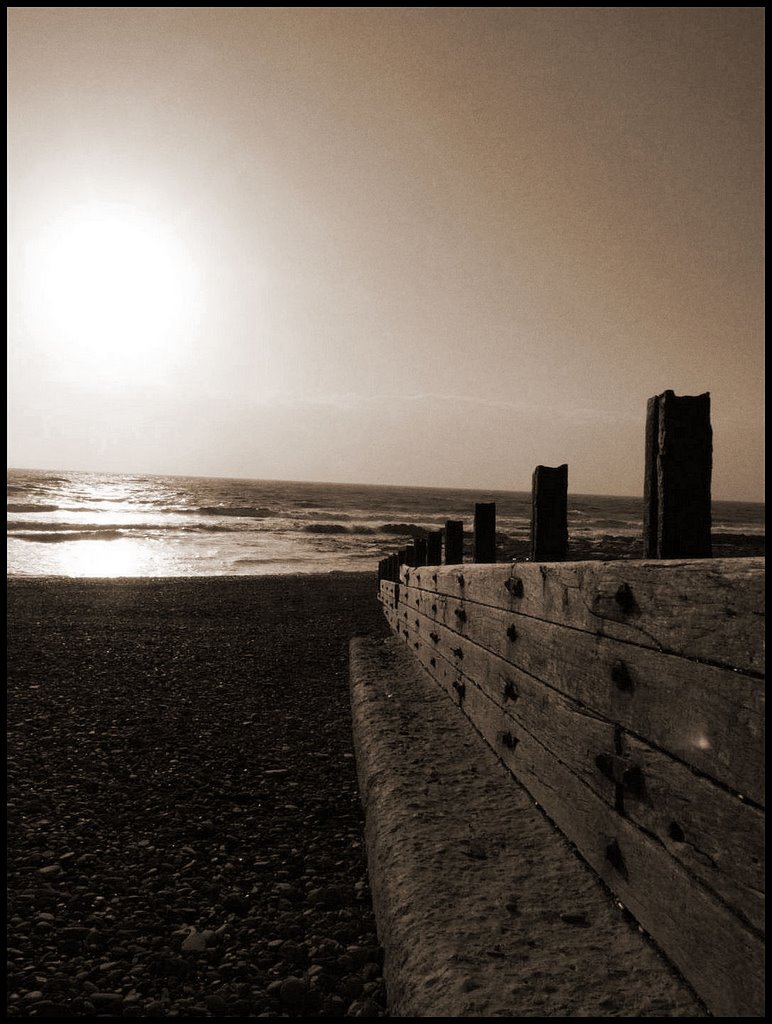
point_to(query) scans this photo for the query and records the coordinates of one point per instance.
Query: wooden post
(410, 556)
(676, 487)
(392, 568)
(485, 532)
(549, 514)
(420, 551)
(434, 548)
(401, 560)
(454, 542)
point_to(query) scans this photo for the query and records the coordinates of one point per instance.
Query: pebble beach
(185, 831)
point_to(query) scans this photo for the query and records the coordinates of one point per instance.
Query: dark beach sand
(185, 829)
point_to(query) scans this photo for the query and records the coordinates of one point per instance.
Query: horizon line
(342, 483)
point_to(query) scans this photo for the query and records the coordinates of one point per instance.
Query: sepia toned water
(101, 524)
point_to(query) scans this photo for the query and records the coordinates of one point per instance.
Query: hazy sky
(386, 245)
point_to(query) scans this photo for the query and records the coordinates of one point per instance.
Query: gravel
(185, 832)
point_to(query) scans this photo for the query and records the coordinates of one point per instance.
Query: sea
(80, 524)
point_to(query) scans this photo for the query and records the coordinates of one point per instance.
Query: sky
(419, 246)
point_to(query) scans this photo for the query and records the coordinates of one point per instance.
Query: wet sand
(185, 828)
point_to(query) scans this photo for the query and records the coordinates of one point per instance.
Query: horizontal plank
(710, 609)
(709, 717)
(717, 837)
(717, 954)
(722, 959)
(563, 725)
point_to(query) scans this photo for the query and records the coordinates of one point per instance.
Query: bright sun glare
(113, 290)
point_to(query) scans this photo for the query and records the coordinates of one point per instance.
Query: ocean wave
(32, 508)
(61, 538)
(403, 529)
(338, 528)
(270, 561)
(97, 531)
(242, 512)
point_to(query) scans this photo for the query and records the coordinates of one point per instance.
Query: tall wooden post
(549, 514)
(676, 487)
(485, 532)
(434, 548)
(394, 568)
(454, 542)
(420, 551)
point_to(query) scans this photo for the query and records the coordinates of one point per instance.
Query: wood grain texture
(709, 717)
(709, 610)
(718, 838)
(677, 478)
(716, 952)
(549, 513)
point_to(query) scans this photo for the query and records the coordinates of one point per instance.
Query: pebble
(236, 833)
(216, 1004)
(194, 943)
(293, 993)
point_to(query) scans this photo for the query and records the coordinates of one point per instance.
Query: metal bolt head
(620, 674)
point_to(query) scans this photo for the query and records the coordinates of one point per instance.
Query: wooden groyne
(628, 698)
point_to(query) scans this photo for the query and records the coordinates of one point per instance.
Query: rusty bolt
(625, 599)
(614, 855)
(510, 691)
(620, 674)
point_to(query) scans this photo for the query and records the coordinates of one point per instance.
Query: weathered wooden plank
(577, 736)
(679, 461)
(720, 957)
(716, 836)
(707, 610)
(709, 717)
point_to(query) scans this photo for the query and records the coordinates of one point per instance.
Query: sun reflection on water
(106, 558)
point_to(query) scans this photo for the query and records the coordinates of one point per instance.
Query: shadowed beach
(185, 828)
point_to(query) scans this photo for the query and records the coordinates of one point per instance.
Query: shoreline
(608, 548)
(186, 834)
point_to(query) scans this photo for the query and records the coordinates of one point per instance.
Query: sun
(114, 291)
